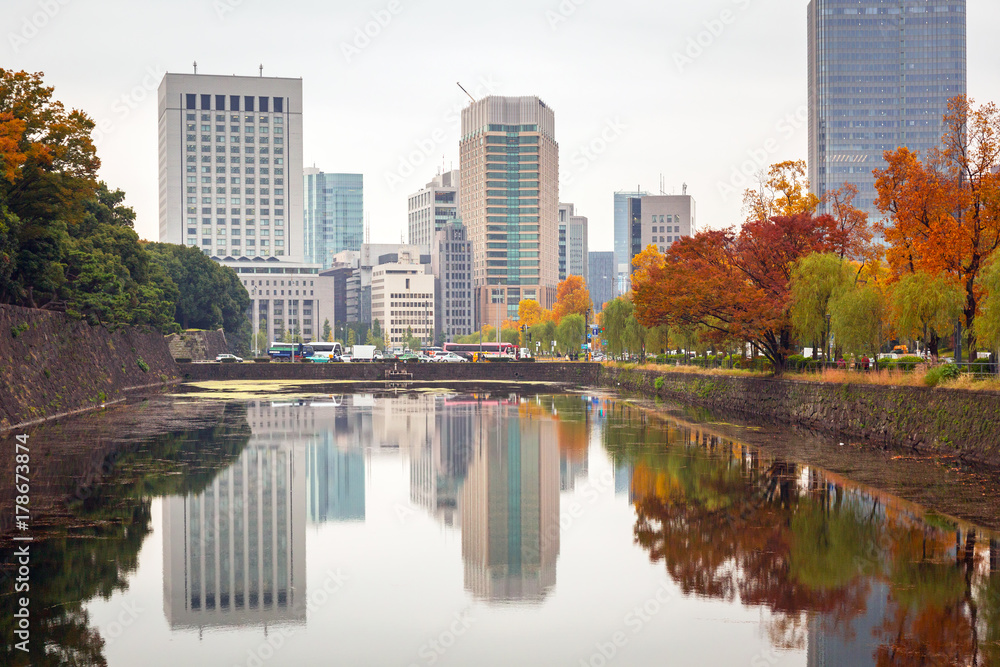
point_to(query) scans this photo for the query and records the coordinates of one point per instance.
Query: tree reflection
(730, 523)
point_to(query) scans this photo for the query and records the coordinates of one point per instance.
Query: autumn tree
(944, 211)
(926, 307)
(733, 284)
(854, 227)
(782, 191)
(571, 297)
(530, 313)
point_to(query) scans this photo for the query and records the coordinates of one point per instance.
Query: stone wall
(941, 421)
(52, 365)
(582, 374)
(197, 344)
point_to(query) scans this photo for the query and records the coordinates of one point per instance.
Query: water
(494, 529)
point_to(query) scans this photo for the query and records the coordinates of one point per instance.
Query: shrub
(142, 365)
(939, 374)
(261, 360)
(18, 329)
(658, 383)
(228, 360)
(908, 364)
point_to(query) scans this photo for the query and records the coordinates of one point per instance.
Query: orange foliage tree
(734, 284)
(944, 211)
(572, 297)
(530, 313)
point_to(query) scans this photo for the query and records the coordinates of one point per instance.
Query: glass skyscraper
(334, 215)
(881, 73)
(623, 241)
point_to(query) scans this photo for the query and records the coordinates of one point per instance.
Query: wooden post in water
(995, 556)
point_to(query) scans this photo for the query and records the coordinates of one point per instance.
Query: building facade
(623, 239)
(431, 208)
(659, 220)
(509, 163)
(334, 215)
(881, 73)
(230, 152)
(451, 264)
(573, 258)
(402, 294)
(601, 278)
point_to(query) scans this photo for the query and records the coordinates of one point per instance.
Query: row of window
(263, 104)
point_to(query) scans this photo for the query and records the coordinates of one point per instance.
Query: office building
(509, 163)
(573, 258)
(343, 268)
(432, 207)
(880, 75)
(402, 293)
(659, 220)
(451, 264)
(230, 150)
(623, 240)
(334, 215)
(601, 278)
(230, 155)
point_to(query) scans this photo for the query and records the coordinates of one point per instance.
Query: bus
(483, 351)
(323, 348)
(289, 351)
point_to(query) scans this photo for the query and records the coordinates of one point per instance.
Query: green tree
(569, 333)
(926, 307)
(210, 295)
(327, 331)
(859, 319)
(261, 342)
(351, 339)
(512, 336)
(542, 336)
(817, 279)
(296, 334)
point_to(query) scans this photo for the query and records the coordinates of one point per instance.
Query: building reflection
(234, 554)
(439, 463)
(510, 506)
(336, 482)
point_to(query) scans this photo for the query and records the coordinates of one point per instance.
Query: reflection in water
(234, 554)
(855, 576)
(510, 506)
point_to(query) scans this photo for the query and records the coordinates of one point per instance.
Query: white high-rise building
(230, 150)
(430, 209)
(573, 260)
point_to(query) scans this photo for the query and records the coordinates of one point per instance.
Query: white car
(223, 357)
(449, 357)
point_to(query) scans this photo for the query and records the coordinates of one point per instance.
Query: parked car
(346, 358)
(229, 357)
(319, 359)
(449, 357)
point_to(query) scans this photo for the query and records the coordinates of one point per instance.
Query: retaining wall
(942, 421)
(52, 365)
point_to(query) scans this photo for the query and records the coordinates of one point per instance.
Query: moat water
(442, 528)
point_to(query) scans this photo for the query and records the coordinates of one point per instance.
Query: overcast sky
(689, 90)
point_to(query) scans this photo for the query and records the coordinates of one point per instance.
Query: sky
(698, 93)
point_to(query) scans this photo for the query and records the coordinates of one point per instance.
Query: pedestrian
(841, 364)
(865, 362)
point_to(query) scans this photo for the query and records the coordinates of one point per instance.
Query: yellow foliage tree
(783, 190)
(530, 313)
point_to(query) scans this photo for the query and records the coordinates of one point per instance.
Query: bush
(142, 365)
(261, 360)
(658, 383)
(939, 374)
(18, 329)
(228, 360)
(908, 364)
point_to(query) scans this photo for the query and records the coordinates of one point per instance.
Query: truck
(363, 353)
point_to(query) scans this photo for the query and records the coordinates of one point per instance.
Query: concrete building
(659, 220)
(623, 240)
(573, 258)
(509, 162)
(403, 299)
(451, 264)
(881, 73)
(230, 155)
(372, 255)
(343, 268)
(601, 278)
(334, 215)
(432, 207)
(230, 151)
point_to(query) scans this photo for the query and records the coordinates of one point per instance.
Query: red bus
(486, 350)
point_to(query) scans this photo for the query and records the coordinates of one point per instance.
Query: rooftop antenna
(195, 66)
(662, 192)
(465, 91)
(684, 188)
(262, 69)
